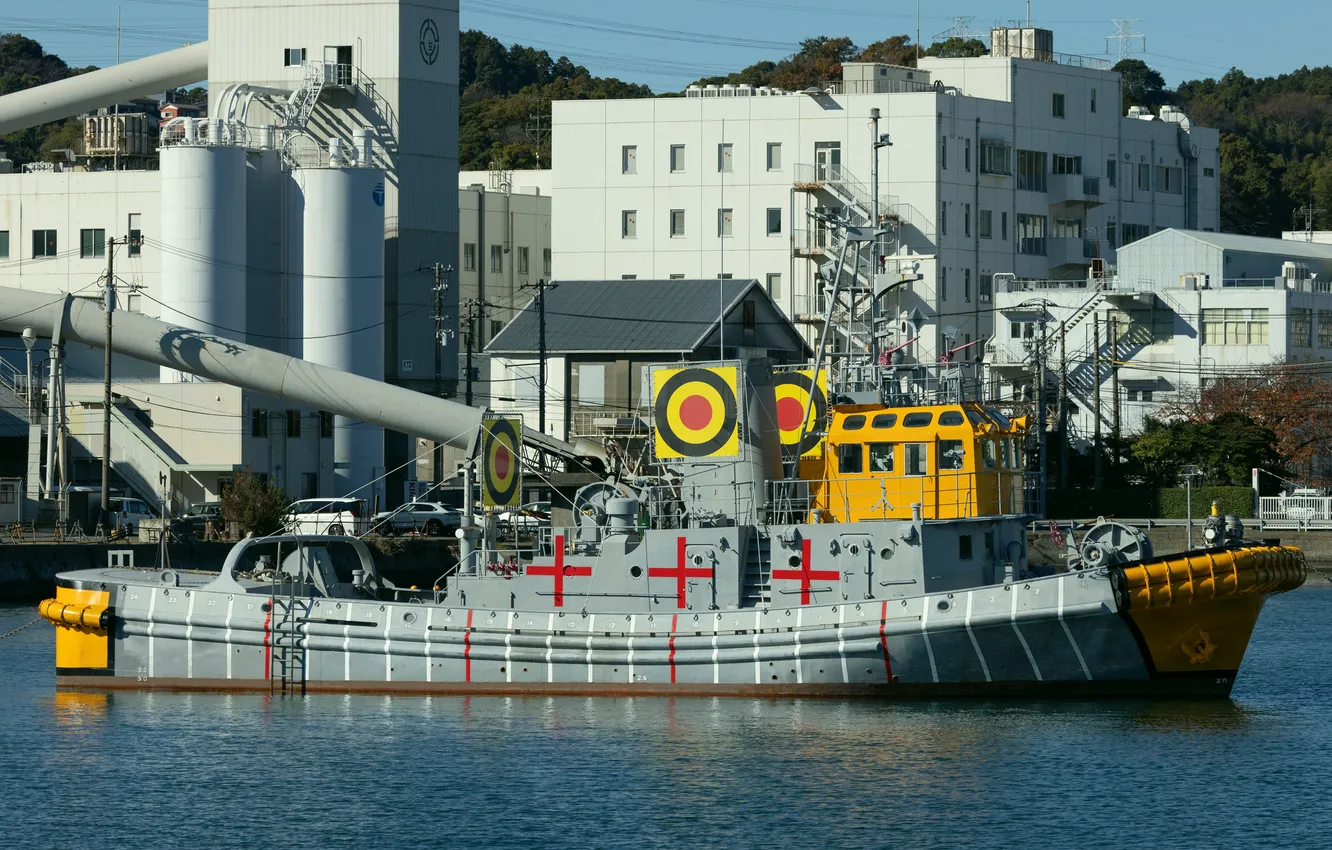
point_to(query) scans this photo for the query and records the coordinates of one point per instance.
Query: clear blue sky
(668, 44)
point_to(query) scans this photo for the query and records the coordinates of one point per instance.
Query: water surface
(208, 770)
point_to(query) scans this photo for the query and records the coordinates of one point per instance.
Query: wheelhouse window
(916, 458)
(881, 457)
(952, 455)
(851, 458)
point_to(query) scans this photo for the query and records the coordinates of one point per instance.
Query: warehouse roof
(1252, 244)
(638, 316)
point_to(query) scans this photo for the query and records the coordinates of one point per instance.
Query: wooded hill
(1276, 142)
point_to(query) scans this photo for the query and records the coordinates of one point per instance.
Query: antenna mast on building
(1309, 211)
(1127, 37)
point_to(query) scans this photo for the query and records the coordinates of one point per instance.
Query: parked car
(525, 519)
(327, 516)
(429, 518)
(194, 525)
(127, 514)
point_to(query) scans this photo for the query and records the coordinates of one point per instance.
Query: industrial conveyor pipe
(236, 363)
(64, 98)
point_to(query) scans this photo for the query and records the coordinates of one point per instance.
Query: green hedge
(1147, 503)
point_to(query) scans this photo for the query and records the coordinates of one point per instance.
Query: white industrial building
(1019, 162)
(304, 215)
(1184, 307)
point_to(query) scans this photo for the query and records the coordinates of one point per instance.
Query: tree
(894, 50)
(1143, 86)
(1224, 448)
(23, 65)
(254, 503)
(954, 47)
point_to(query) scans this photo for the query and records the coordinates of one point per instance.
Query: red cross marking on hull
(559, 570)
(680, 572)
(805, 575)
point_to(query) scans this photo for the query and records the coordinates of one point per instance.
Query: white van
(327, 516)
(127, 513)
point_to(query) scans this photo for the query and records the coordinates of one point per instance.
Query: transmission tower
(962, 29)
(1127, 37)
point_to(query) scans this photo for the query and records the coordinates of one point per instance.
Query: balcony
(1074, 189)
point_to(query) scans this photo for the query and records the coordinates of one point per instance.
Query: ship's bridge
(944, 461)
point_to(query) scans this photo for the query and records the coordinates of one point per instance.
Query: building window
(996, 157)
(1067, 164)
(259, 423)
(309, 485)
(325, 425)
(1130, 233)
(1003, 225)
(1158, 325)
(522, 259)
(294, 424)
(724, 157)
(966, 154)
(943, 152)
(545, 261)
(966, 219)
(677, 277)
(943, 283)
(1325, 328)
(775, 285)
(963, 545)
(774, 221)
(1031, 234)
(774, 156)
(469, 256)
(1170, 180)
(496, 258)
(1144, 176)
(628, 277)
(966, 285)
(1209, 172)
(943, 218)
(725, 276)
(677, 158)
(135, 235)
(4, 244)
(1110, 171)
(293, 57)
(629, 159)
(43, 243)
(724, 222)
(1093, 100)
(1301, 327)
(1057, 105)
(986, 288)
(1032, 171)
(1068, 228)
(1240, 326)
(677, 224)
(986, 224)
(629, 224)
(495, 327)
(1110, 234)
(92, 243)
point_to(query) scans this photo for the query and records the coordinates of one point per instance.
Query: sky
(670, 44)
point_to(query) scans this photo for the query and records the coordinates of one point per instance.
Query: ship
(809, 531)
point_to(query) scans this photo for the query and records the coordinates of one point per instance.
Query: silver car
(429, 518)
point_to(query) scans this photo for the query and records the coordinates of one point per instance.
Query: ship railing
(939, 496)
(916, 384)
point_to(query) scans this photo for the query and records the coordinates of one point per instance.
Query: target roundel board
(501, 473)
(793, 399)
(695, 412)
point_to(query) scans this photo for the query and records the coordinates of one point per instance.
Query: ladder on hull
(757, 588)
(289, 609)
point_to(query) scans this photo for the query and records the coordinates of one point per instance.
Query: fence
(1295, 512)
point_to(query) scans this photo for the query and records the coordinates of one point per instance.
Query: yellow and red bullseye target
(793, 399)
(696, 412)
(502, 476)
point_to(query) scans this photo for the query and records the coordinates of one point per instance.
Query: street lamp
(1187, 475)
(29, 340)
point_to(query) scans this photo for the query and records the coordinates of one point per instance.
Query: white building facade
(998, 165)
(1184, 307)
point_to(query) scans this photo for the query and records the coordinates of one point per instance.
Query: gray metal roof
(1252, 244)
(610, 316)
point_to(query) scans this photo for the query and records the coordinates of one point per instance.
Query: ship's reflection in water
(186, 770)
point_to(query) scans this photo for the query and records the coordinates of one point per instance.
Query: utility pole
(1063, 407)
(1308, 211)
(1040, 402)
(471, 331)
(1114, 394)
(541, 365)
(1096, 390)
(877, 141)
(537, 133)
(441, 272)
(110, 307)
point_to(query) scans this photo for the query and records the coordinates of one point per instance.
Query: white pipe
(62, 99)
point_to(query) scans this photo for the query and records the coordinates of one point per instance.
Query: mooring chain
(20, 628)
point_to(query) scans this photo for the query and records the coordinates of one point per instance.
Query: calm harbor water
(205, 770)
